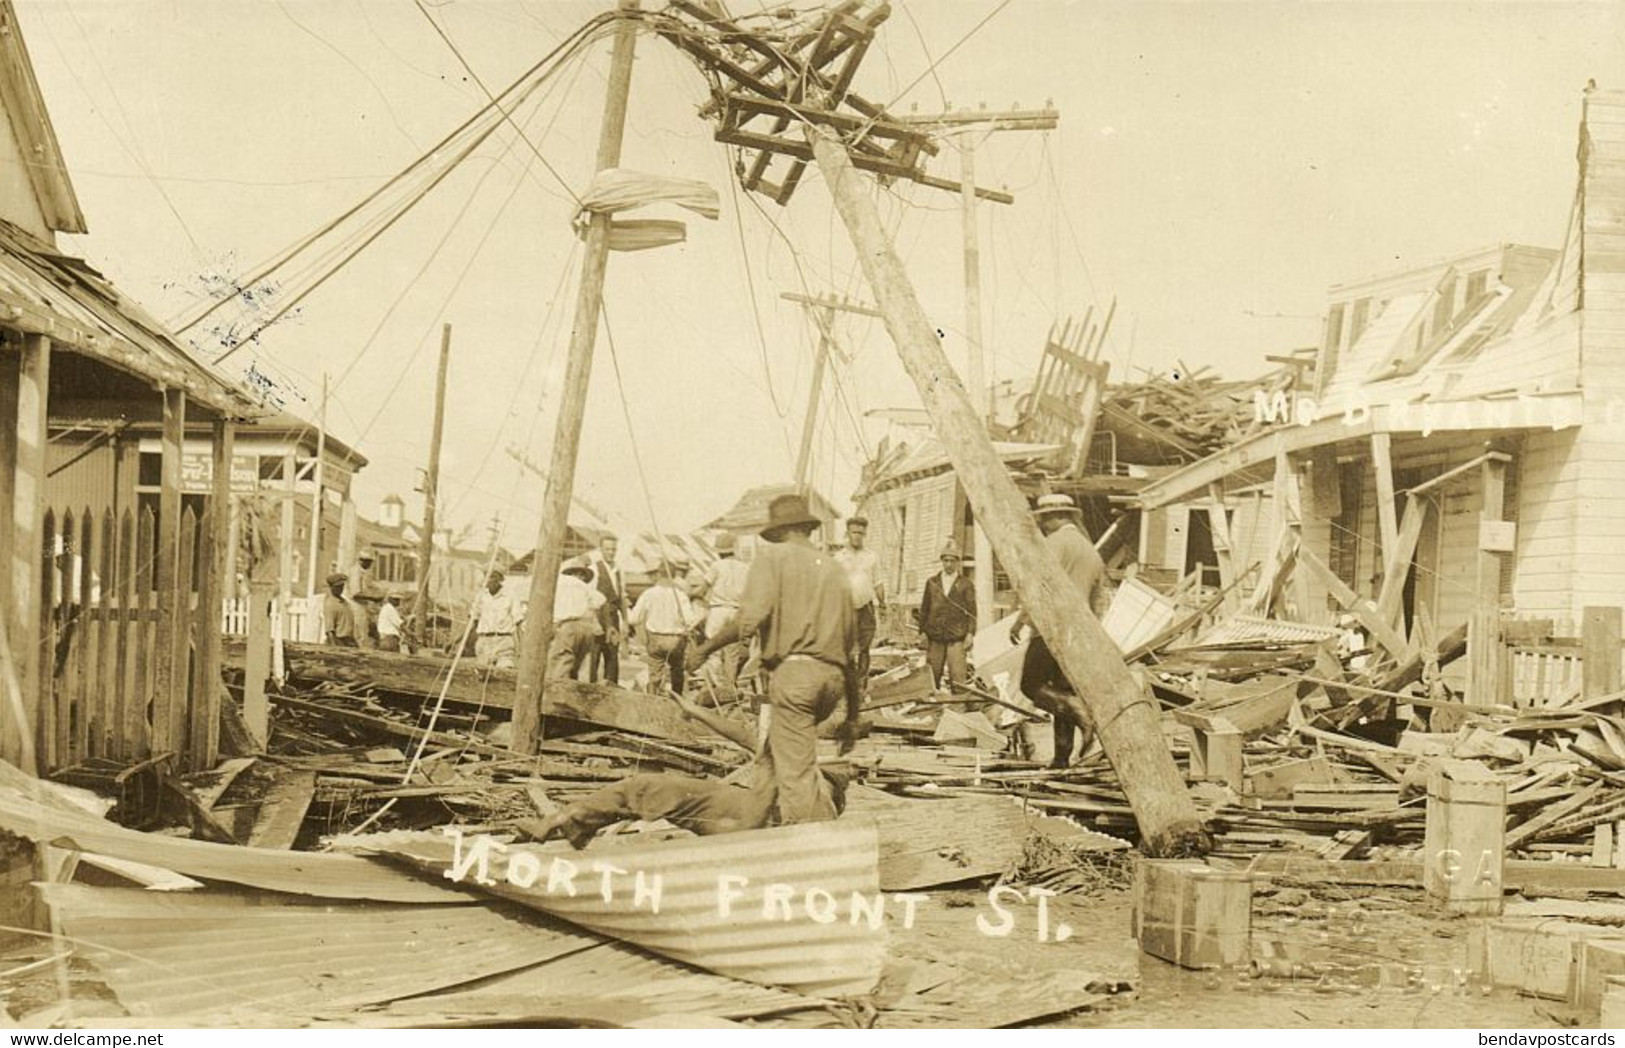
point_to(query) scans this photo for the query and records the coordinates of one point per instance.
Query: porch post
(24, 394)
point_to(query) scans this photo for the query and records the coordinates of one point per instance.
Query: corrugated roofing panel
(788, 906)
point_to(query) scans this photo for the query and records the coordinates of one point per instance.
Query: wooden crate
(1538, 956)
(1599, 961)
(1191, 914)
(1465, 843)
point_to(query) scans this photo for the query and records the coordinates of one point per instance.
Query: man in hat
(612, 615)
(798, 603)
(948, 619)
(665, 614)
(725, 584)
(1041, 678)
(863, 574)
(576, 603)
(366, 597)
(701, 806)
(496, 622)
(338, 613)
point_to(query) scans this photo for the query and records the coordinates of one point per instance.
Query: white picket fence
(303, 618)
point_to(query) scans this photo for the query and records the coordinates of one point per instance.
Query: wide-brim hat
(1056, 504)
(336, 578)
(787, 511)
(577, 566)
(726, 542)
(950, 549)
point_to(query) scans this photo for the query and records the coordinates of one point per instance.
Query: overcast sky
(1217, 167)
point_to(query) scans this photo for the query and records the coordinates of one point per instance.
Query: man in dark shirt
(1041, 678)
(798, 602)
(948, 618)
(339, 613)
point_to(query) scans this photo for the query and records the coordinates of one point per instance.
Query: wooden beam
(25, 388)
(1484, 649)
(1451, 474)
(169, 677)
(1600, 647)
(1398, 556)
(1387, 512)
(1218, 517)
(1127, 719)
(212, 563)
(1382, 631)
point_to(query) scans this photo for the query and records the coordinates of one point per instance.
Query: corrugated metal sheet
(824, 865)
(210, 952)
(1251, 630)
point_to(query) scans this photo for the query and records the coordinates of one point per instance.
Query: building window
(1345, 548)
(1359, 319)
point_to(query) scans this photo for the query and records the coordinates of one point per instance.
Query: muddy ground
(1372, 960)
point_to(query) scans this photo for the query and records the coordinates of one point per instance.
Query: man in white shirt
(389, 624)
(725, 584)
(496, 621)
(576, 629)
(863, 572)
(665, 615)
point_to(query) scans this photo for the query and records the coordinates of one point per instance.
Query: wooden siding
(1548, 498)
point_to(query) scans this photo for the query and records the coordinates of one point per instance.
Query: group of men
(358, 613)
(811, 616)
(587, 612)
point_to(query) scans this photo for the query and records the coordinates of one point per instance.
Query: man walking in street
(576, 628)
(611, 615)
(948, 619)
(664, 614)
(1041, 678)
(798, 602)
(496, 621)
(338, 614)
(863, 574)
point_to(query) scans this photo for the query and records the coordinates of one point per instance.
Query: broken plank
(426, 677)
(26, 813)
(925, 843)
(283, 811)
(1527, 830)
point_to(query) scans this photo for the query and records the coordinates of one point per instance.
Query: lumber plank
(423, 676)
(283, 811)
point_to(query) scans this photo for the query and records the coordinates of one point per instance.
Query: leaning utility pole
(968, 125)
(822, 310)
(1128, 721)
(538, 633)
(431, 483)
(316, 496)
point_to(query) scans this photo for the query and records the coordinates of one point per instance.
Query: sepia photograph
(1101, 515)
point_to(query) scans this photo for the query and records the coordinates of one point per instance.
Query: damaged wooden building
(112, 600)
(1459, 457)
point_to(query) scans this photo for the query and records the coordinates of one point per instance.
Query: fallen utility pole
(1127, 719)
(431, 486)
(538, 633)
